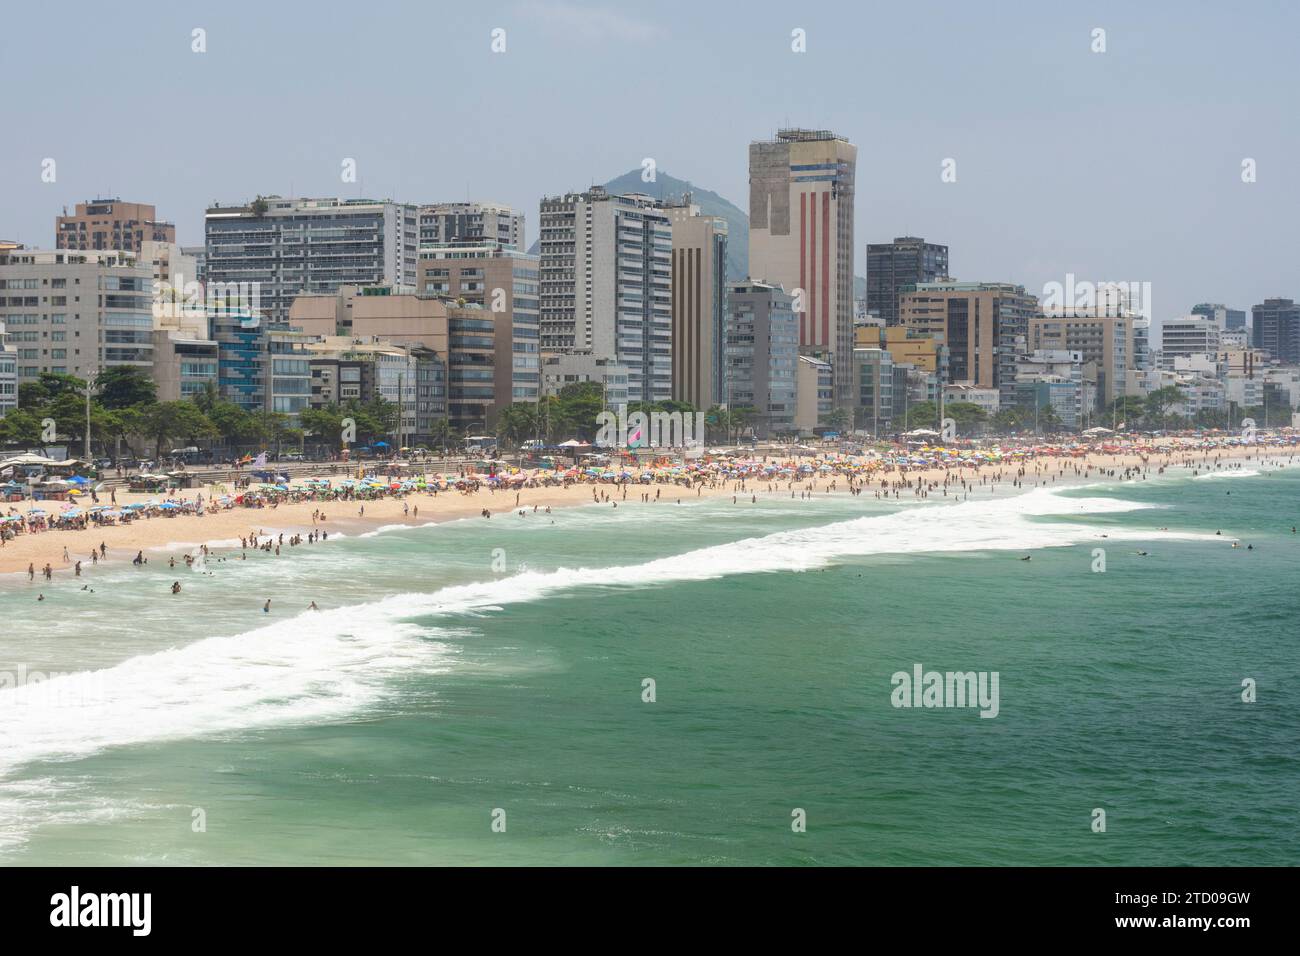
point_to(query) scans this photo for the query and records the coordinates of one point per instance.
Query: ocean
(703, 683)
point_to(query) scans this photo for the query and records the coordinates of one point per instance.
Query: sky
(1119, 166)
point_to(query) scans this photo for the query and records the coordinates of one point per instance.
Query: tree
(517, 423)
(231, 422)
(967, 415)
(1161, 401)
(921, 415)
(836, 420)
(48, 387)
(122, 386)
(21, 427)
(164, 420)
(741, 417)
(1127, 409)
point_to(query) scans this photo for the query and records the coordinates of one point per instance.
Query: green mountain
(710, 203)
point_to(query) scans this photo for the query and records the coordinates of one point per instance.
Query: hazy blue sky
(1119, 166)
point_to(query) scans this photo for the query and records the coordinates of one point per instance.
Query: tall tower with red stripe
(801, 237)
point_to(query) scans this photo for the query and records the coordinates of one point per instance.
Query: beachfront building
(761, 351)
(1228, 320)
(898, 266)
(8, 374)
(984, 327)
(110, 224)
(76, 312)
(881, 397)
(185, 363)
(283, 247)
(989, 400)
(1275, 327)
(474, 223)
(464, 335)
(606, 284)
(504, 281)
(411, 377)
(1052, 378)
(570, 368)
(801, 192)
(699, 292)
(241, 357)
(814, 393)
(1187, 335)
(924, 350)
(1104, 337)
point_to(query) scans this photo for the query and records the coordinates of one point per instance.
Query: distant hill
(710, 203)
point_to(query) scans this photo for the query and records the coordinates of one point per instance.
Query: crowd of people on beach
(965, 472)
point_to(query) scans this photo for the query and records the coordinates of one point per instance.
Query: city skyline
(1034, 161)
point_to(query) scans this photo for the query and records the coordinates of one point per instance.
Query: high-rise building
(1275, 327)
(76, 312)
(801, 189)
(606, 284)
(284, 247)
(984, 325)
(1106, 340)
(463, 336)
(894, 266)
(1226, 318)
(880, 392)
(185, 364)
(472, 222)
(504, 281)
(814, 393)
(110, 224)
(699, 292)
(1188, 335)
(8, 374)
(762, 351)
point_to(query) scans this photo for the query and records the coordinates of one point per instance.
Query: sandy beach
(223, 530)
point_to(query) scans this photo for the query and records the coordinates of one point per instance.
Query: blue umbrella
(381, 444)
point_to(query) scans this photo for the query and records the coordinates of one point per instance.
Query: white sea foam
(326, 664)
(384, 529)
(1245, 473)
(317, 666)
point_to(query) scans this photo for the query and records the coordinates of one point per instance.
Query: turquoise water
(442, 682)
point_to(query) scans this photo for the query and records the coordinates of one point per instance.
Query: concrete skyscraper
(801, 188)
(606, 284)
(699, 303)
(893, 266)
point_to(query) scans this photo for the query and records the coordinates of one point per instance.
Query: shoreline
(223, 530)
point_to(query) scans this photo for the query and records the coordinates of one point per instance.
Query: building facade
(504, 281)
(281, 248)
(76, 312)
(699, 292)
(893, 267)
(1275, 327)
(606, 284)
(110, 224)
(984, 327)
(801, 191)
(475, 223)
(814, 393)
(762, 351)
